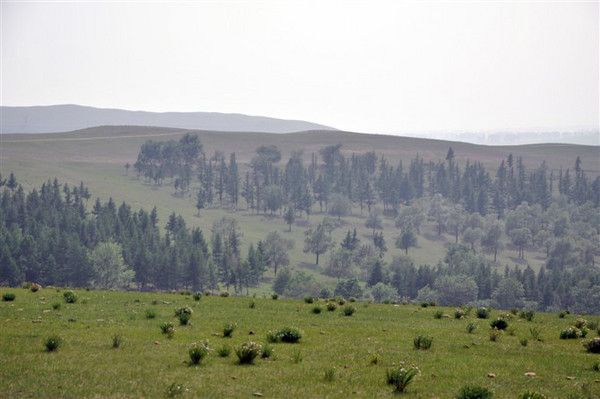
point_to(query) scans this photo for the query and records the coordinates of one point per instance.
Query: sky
(368, 66)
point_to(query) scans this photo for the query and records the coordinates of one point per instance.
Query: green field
(147, 362)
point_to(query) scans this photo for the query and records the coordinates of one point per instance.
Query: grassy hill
(147, 362)
(96, 156)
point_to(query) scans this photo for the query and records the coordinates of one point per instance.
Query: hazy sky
(364, 66)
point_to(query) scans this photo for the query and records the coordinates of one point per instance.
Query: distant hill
(62, 118)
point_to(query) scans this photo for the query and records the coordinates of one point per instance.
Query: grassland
(147, 362)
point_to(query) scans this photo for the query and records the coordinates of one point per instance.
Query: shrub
(474, 392)
(352, 299)
(523, 341)
(252, 305)
(274, 297)
(532, 395)
(224, 294)
(52, 343)
(596, 366)
(197, 296)
(70, 297)
(401, 377)
(184, 315)
(514, 311)
(224, 351)
(422, 342)
(593, 345)
(35, 287)
(329, 374)
(438, 314)
(246, 353)
(267, 351)
(459, 313)
(168, 329)
(562, 314)
(341, 301)
(56, 306)
(527, 315)
(228, 329)
(580, 323)
(495, 335)
(117, 340)
(572, 333)
(297, 357)
(198, 352)
(316, 309)
(348, 310)
(471, 327)
(309, 299)
(483, 313)
(175, 390)
(499, 324)
(150, 314)
(286, 334)
(331, 307)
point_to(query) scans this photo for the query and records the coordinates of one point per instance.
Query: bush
(495, 335)
(8, 297)
(483, 313)
(471, 327)
(168, 329)
(150, 314)
(341, 301)
(572, 333)
(527, 315)
(246, 353)
(348, 310)
(267, 351)
(70, 297)
(52, 343)
(35, 287)
(438, 314)
(331, 307)
(459, 313)
(532, 395)
(309, 299)
(184, 315)
(197, 296)
(316, 309)
(523, 341)
(329, 374)
(474, 392)
(422, 342)
(562, 314)
(274, 297)
(593, 345)
(286, 334)
(224, 294)
(596, 366)
(56, 306)
(252, 305)
(224, 351)
(198, 352)
(580, 323)
(401, 377)
(499, 324)
(228, 329)
(117, 340)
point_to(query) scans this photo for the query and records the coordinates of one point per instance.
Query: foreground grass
(147, 362)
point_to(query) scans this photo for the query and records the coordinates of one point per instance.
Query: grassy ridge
(147, 363)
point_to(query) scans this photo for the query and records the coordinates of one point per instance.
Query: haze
(377, 67)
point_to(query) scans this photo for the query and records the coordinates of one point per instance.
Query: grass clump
(438, 314)
(309, 299)
(274, 297)
(329, 375)
(348, 310)
(331, 307)
(483, 313)
(297, 357)
(527, 315)
(70, 297)
(532, 395)
(401, 377)
(593, 345)
(596, 365)
(474, 392)
(56, 305)
(471, 327)
(495, 335)
(117, 340)
(562, 314)
(499, 324)
(374, 359)
(573, 333)
(267, 352)
(246, 353)
(535, 334)
(175, 390)
(184, 315)
(228, 329)
(290, 335)
(8, 297)
(168, 329)
(422, 342)
(150, 314)
(197, 296)
(198, 352)
(316, 309)
(52, 343)
(524, 342)
(459, 313)
(224, 351)
(252, 305)
(580, 323)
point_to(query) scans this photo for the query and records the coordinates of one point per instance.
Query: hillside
(359, 349)
(60, 118)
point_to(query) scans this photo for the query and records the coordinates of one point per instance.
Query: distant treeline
(365, 180)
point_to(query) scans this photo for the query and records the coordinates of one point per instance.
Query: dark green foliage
(8, 297)
(247, 352)
(184, 315)
(499, 324)
(474, 392)
(596, 365)
(197, 352)
(523, 341)
(197, 296)
(224, 294)
(150, 313)
(267, 351)
(274, 297)
(309, 299)
(331, 306)
(483, 313)
(438, 314)
(56, 305)
(348, 310)
(471, 327)
(527, 315)
(593, 345)
(117, 340)
(52, 343)
(285, 334)
(252, 305)
(224, 351)
(422, 342)
(228, 329)
(168, 329)
(400, 377)
(573, 333)
(70, 297)
(562, 314)
(316, 309)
